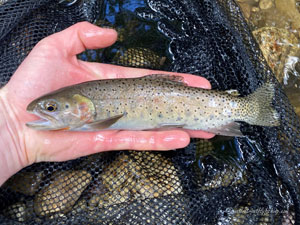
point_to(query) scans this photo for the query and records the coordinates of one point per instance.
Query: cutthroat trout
(151, 102)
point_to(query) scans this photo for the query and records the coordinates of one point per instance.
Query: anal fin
(230, 129)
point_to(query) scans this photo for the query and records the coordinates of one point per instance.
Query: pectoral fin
(101, 124)
(230, 129)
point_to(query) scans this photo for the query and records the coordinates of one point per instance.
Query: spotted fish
(151, 102)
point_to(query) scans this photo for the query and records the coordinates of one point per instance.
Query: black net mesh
(253, 180)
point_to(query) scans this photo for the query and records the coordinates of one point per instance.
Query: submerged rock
(62, 193)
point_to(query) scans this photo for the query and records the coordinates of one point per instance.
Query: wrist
(12, 154)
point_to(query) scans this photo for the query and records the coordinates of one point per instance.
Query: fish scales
(148, 104)
(156, 102)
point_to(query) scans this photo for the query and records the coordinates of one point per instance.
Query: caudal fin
(264, 112)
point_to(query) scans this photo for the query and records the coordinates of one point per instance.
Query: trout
(151, 102)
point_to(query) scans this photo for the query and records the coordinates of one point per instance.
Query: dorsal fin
(167, 78)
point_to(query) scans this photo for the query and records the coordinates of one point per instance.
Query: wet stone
(20, 211)
(139, 57)
(277, 45)
(137, 176)
(266, 4)
(62, 193)
(26, 183)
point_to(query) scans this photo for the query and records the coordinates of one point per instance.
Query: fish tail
(264, 112)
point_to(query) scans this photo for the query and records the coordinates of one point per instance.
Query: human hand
(52, 64)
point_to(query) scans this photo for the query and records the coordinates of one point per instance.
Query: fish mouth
(42, 124)
(45, 122)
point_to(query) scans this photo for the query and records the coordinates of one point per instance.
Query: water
(140, 37)
(280, 20)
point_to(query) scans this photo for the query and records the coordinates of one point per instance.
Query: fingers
(60, 146)
(107, 71)
(200, 134)
(196, 81)
(79, 37)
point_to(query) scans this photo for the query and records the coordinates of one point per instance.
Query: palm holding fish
(51, 65)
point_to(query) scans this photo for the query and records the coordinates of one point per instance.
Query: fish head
(61, 111)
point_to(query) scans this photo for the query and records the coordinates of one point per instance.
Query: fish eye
(51, 106)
